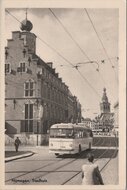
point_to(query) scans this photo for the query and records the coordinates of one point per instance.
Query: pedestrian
(17, 143)
(90, 172)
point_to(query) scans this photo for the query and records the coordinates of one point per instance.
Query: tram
(68, 138)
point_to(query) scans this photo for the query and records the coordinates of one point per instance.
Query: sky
(71, 33)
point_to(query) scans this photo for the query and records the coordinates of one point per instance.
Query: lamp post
(39, 116)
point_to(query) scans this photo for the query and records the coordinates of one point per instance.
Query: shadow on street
(102, 153)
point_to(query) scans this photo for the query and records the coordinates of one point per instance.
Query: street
(46, 169)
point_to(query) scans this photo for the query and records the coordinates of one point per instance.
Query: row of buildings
(35, 95)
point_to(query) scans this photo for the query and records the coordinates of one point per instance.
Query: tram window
(61, 133)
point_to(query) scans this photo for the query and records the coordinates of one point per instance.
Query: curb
(18, 157)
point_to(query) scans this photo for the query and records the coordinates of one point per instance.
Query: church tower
(105, 105)
(29, 38)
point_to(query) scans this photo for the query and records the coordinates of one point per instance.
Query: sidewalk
(24, 151)
(15, 157)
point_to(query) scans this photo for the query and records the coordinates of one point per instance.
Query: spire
(26, 24)
(26, 13)
(105, 105)
(104, 97)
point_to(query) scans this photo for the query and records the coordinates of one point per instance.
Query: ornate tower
(105, 105)
(29, 38)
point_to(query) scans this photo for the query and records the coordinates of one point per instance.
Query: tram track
(95, 144)
(47, 172)
(104, 166)
(49, 164)
(80, 156)
(80, 171)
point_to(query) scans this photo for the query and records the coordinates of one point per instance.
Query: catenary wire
(60, 22)
(58, 54)
(86, 11)
(69, 34)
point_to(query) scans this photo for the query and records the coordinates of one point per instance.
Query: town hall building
(35, 95)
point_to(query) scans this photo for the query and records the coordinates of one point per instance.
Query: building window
(7, 68)
(22, 68)
(29, 88)
(28, 118)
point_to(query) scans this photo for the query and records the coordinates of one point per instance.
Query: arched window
(29, 88)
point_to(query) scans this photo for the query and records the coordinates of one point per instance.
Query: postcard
(63, 94)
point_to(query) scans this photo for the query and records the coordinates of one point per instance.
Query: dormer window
(7, 68)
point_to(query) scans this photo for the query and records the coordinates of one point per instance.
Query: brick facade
(32, 85)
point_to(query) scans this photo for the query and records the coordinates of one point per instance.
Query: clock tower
(105, 105)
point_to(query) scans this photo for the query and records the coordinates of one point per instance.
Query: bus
(68, 138)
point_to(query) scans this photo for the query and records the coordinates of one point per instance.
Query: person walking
(90, 173)
(17, 143)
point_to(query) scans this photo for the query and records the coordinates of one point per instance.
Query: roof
(106, 116)
(87, 119)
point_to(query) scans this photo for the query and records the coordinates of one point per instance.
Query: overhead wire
(72, 66)
(55, 51)
(69, 34)
(88, 83)
(100, 40)
(77, 44)
(13, 16)
(60, 56)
